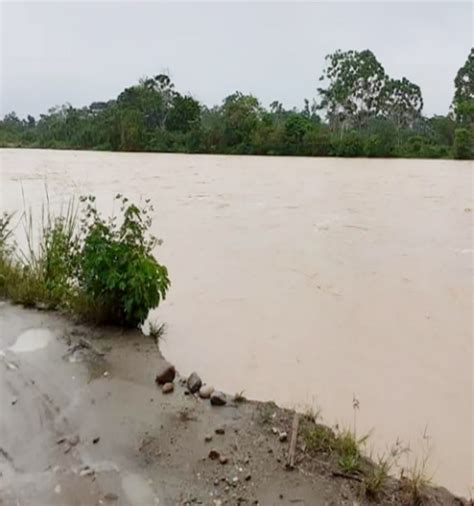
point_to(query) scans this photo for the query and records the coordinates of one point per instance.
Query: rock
(194, 383)
(166, 373)
(167, 388)
(208, 438)
(73, 440)
(248, 477)
(283, 436)
(110, 496)
(274, 430)
(95, 440)
(14, 400)
(218, 399)
(223, 460)
(214, 454)
(86, 471)
(220, 430)
(205, 391)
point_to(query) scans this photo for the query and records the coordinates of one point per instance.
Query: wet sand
(307, 281)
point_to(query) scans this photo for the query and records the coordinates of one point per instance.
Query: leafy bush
(435, 151)
(318, 142)
(373, 146)
(116, 267)
(463, 145)
(350, 145)
(102, 271)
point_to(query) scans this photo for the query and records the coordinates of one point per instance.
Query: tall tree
(463, 101)
(240, 116)
(184, 113)
(355, 80)
(402, 102)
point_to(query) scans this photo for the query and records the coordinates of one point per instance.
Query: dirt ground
(83, 422)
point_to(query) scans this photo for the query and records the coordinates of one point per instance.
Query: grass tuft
(156, 331)
(267, 412)
(417, 478)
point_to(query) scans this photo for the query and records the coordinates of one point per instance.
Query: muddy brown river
(310, 282)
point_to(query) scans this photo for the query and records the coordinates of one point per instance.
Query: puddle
(138, 490)
(32, 340)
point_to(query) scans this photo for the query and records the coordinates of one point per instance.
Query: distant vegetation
(360, 111)
(100, 270)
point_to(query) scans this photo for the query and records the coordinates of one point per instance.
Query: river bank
(84, 423)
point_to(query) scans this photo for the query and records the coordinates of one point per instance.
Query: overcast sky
(59, 52)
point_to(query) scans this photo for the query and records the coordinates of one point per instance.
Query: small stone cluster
(165, 378)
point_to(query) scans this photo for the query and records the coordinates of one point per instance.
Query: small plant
(313, 414)
(378, 474)
(6, 231)
(348, 447)
(239, 397)
(6, 250)
(156, 331)
(267, 412)
(341, 444)
(377, 477)
(417, 478)
(116, 265)
(318, 438)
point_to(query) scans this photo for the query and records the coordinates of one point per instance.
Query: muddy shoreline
(84, 423)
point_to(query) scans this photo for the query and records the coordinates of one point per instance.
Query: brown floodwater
(307, 281)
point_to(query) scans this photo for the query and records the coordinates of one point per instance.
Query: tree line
(360, 111)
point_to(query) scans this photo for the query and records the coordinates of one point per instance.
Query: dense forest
(360, 111)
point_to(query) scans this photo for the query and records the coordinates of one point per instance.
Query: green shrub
(435, 151)
(377, 146)
(317, 142)
(116, 267)
(349, 145)
(103, 271)
(414, 146)
(462, 147)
